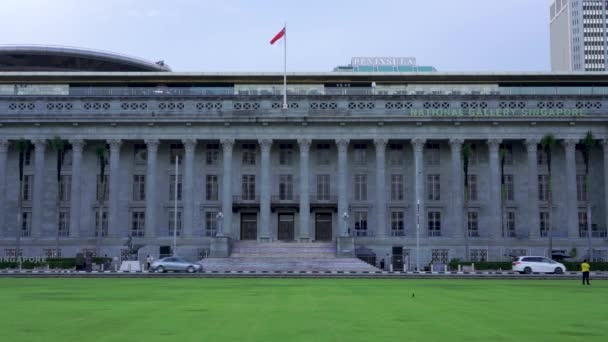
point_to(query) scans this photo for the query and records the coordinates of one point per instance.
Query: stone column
(227, 146)
(264, 229)
(418, 146)
(77, 146)
(457, 205)
(114, 226)
(495, 191)
(571, 200)
(188, 200)
(342, 190)
(532, 206)
(150, 224)
(605, 149)
(3, 211)
(304, 230)
(38, 203)
(381, 226)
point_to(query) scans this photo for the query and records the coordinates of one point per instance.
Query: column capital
(342, 144)
(380, 142)
(532, 142)
(304, 144)
(494, 143)
(152, 143)
(265, 144)
(39, 143)
(227, 143)
(3, 145)
(570, 143)
(77, 144)
(189, 144)
(418, 144)
(114, 144)
(605, 144)
(456, 141)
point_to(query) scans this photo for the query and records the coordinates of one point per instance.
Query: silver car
(174, 264)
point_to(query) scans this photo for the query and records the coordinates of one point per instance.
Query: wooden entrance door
(286, 227)
(323, 227)
(249, 226)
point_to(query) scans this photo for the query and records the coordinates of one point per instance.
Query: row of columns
(456, 212)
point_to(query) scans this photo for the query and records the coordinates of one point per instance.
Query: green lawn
(301, 310)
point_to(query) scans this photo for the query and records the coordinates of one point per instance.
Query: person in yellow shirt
(585, 267)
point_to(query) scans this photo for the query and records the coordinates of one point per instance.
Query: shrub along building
(361, 160)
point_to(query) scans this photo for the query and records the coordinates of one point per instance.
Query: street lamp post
(345, 218)
(220, 218)
(418, 235)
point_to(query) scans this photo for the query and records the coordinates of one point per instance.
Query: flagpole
(285, 70)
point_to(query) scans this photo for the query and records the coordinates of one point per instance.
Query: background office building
(351, 167)
(578, 35)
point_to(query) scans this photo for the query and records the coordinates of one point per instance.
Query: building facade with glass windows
(379, 168)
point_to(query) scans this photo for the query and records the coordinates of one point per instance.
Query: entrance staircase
(253, 256)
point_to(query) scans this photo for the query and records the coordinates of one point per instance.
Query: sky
(232, 35)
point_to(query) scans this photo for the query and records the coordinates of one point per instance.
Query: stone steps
(285, 257)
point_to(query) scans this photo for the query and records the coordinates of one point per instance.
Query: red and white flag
(278, 36)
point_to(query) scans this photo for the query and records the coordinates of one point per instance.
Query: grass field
(301, 310)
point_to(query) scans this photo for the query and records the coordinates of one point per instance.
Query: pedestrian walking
(148, 262)
(585, 268)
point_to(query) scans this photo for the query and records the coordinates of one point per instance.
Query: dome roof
(58, 58)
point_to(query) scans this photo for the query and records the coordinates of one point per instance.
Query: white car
(529, 264)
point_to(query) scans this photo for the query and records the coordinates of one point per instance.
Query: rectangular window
(27, 188)
(323, 154)
(65, 187)
(511, 224)
(474, 155)
(139, 188)
(51, 252)
(360, 223)
(212, 155)
(544, 223)
(248, 187)
(581, 188)
(479, 255)
(361, 187)
(104, 223)
(285, 154)
(105, 191)
(66, 156)
(472, 188)
(473, 223)
(360, 154)
(26, 223)
(210, 223)
(140, 153)
(12, 252)
(397, 187)
(286, 187)
(211, 188)
(64, 224)
(176, 151)
(433, 188)
(543, 188)
(582, 224)
(434, 223)
(541, 157)
(396, 155)
(172, 223)
(397, 223)
(27, 156)
(509, 188)
(248, 154)
(439, 256)
(138, 223)
(172, 187)
(508, 154)
(432, 155)
(579, 158)
(323, 187)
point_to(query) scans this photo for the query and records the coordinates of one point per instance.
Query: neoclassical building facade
(370, 157)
